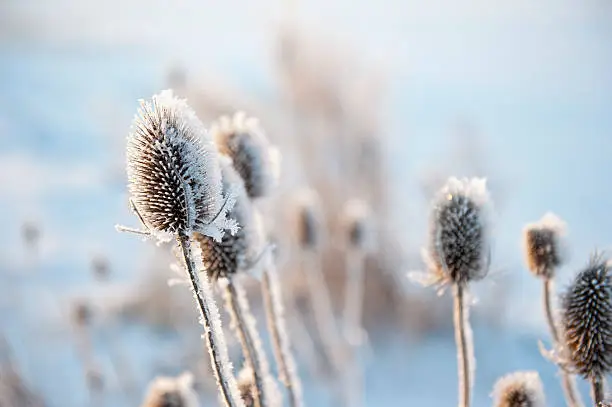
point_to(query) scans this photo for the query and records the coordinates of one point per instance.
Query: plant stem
(597, 390)
(213, 333)
(567, 381)
(245, 331)
(275, 314)
(463, 347)
(353, 300)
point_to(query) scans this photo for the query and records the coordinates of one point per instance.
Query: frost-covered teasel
(308, 220)
(459, 248)
(245, 386)
(357, 225)
(519, 389)
(542, 243)
(173, 170)
(171, 392)
(586, 322)
(240, 251)
(243, 140)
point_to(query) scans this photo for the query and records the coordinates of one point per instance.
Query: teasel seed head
(242, 139)
(586, 319)
(459, 247)
(519, 389)
(82, 313)
(543, 245)
(171, 392)
(173, 170)
(308, 220)
(357, 224)
(245, 386)
(237, 252)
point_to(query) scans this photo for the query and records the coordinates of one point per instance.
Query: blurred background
(376, 100)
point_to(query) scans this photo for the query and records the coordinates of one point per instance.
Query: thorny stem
(324, 316)
(275, 315)
(215, 348)
(353, 300)
(240, 325)
(597, 390)
(567, 381)
(463, 347)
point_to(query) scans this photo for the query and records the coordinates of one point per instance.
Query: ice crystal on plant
(173, 170)
(519, 389)
(542, 245)
(242, 139)
(586, 319)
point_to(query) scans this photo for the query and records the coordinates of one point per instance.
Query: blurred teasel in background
(519, 389)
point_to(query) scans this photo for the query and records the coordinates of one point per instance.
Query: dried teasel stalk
(586, 324)
(176, 189)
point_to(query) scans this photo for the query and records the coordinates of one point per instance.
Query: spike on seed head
(235, 252)
(242, 139)
(171, 392)
(586, 319)
(459, 247)
(356, 222)
(519, 389)
(308, 220)
(542, 245)
(173, 169)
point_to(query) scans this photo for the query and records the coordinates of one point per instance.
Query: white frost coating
(181, 386)
(550, 221)
(526, 383)
(473, 188)
(275, 313)
(244, 141)
(217, 346)
(173, 171)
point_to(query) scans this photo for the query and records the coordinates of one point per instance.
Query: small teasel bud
(245, 386)
(171, 392)
(586, 319)
(235, 252)
(173, 170)
(542, 245)
(459, 247)
(519, 389)
(242, 139)
(82, 313)
(356, 221)
(308, 220)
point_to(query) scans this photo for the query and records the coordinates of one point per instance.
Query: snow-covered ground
(534, 79)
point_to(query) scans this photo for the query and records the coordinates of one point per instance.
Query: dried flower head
(308, 220)
(94, 379)
(173, 170)
(586, 319)
(459, 247)
(235, 252)
(242, 139)
(519, 389)
(171, 392)
(81, 313)
(356, 220)
(100, 267)
(542, 245)
(246, 383)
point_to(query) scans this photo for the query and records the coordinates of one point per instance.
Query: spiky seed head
(543, 246)
(586, 319)
(171, 392)
(308, 222)
(246, 382)
(173, 169)
(356, 221)
(233, 253)
(519, 389)
(459, 247)
(242, 139)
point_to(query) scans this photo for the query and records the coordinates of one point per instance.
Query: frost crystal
(173, 170)
(171, 392)
(586, 318)
(520, 389)
(243, 140)
(542, 245)
(459, 250)
(237, 252)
